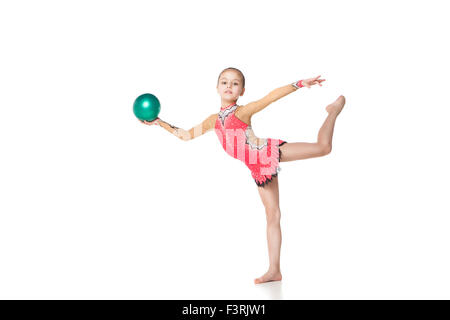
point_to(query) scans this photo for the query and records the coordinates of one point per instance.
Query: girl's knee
(325, 149)
(273, 214)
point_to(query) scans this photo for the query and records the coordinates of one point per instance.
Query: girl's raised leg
(270, 198)
(304, 150)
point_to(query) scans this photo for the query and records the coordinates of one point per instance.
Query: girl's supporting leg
(304, 150)
(270, 198)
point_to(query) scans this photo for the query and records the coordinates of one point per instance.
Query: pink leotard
(262, 156)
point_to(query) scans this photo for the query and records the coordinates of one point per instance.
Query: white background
(96, 205)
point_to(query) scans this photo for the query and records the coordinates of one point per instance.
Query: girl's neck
(227, 104)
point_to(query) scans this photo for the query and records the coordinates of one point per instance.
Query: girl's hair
(234, 69)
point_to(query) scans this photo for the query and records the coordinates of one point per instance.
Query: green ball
(146, 107)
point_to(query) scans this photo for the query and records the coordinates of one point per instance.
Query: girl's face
(230, 86)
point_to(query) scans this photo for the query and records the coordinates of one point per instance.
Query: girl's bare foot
(269, 276)
(336, 106)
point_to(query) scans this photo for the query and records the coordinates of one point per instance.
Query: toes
(259, 280)
(267, 278)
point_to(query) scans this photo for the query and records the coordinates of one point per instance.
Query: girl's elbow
(186, 136)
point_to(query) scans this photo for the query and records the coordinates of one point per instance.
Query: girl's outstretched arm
(256, 106)
(185, 135)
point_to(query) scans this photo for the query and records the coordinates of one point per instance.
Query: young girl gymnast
(262, 156)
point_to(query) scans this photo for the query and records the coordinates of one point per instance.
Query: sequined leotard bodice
(262, 156)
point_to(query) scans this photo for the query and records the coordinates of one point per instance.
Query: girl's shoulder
(243, 115)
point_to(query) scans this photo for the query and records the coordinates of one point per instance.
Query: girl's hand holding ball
(150, 123)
